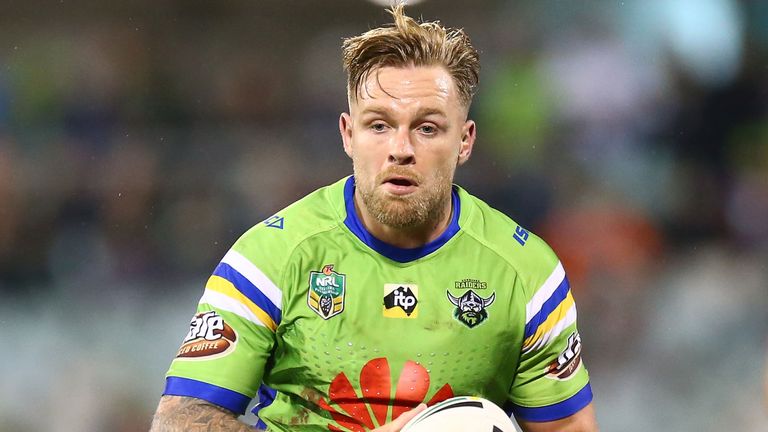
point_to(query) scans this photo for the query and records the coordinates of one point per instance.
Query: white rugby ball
(462, 414)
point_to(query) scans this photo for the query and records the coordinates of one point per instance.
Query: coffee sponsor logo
(569, 360)
(208, 337)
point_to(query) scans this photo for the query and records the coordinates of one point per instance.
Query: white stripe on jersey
(568, 319)
(255, 276)
(226, 303)
(545, 292)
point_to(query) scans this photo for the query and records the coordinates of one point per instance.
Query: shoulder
(270, 243)
(532, 259)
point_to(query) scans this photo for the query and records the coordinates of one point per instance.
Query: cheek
(370, 153)
(366, 164)
(365, 157)
(446, 162)
(360, 141)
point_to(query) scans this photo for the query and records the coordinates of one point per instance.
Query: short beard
(425, 206)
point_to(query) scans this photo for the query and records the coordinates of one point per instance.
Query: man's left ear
(468, 134)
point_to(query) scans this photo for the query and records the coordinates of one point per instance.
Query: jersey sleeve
(551, 381)
(223, 356)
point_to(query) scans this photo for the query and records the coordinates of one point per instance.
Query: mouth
(399, 185)
(400, 181)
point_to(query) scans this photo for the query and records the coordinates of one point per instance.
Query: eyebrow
(422, 112)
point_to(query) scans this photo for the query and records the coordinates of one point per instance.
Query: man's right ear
(345, 129)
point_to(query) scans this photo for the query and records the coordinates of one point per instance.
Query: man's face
(406, 133)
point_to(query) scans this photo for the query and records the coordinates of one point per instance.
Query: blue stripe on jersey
(249, 290)
(392, 252)
(557, 297)
(229, 399)
(267, 395)
(563, 409)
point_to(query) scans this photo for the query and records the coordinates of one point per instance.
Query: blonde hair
(407, 42)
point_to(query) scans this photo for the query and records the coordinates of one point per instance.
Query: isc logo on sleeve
(401, 301)
(209, 337)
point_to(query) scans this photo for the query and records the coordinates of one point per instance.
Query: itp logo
(401, 301)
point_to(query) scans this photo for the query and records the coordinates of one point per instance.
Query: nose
(401, 151)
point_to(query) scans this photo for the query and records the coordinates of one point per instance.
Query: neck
(405, 237)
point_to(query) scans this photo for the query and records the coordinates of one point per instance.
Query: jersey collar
(395, 253)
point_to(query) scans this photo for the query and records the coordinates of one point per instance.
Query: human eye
(428, 129)
(378, 126)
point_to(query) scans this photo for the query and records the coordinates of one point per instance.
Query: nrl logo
(470, 307)
(326, 292)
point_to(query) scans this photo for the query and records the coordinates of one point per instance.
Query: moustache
(411, 175)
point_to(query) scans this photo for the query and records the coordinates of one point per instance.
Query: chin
(399, 213)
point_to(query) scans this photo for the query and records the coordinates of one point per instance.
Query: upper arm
(582, 421)
(223, 356)
(551, 381)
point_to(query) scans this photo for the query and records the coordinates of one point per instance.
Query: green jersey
(335, 330)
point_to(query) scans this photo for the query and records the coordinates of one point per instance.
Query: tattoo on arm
(179, 413)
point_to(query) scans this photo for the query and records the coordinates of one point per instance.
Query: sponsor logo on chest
(326, 292)
(401, 301)
(327, 298)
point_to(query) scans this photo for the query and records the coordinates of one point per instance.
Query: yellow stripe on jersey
(223, 286)
(559, 314)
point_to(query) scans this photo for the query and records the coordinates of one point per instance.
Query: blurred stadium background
(139, 139)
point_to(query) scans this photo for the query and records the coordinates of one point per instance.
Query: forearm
(178, 413)
(582, 421)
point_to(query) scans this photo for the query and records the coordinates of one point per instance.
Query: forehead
(411, 84)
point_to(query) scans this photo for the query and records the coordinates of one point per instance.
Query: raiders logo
(471, 308)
